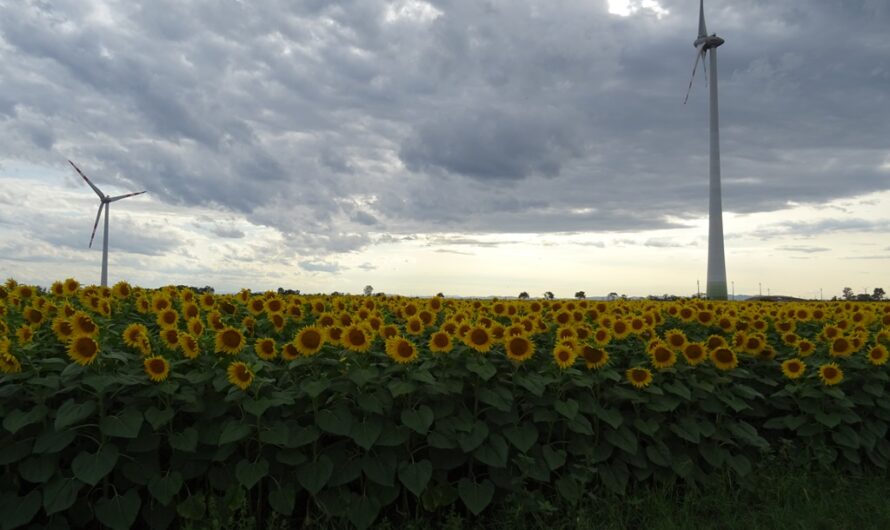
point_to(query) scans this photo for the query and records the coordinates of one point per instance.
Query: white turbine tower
(716, 287)
(105, 200)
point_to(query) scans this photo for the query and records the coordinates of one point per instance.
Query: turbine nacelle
(707, 42)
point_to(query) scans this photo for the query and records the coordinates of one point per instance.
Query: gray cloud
(326, 119)
(802, 248)
(319, 266)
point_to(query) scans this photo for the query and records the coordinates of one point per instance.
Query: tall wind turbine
(105, 200)
(707, 45)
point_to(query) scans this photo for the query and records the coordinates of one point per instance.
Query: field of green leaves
(160, 408)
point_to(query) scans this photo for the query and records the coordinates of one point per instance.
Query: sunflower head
(121, 290)
(240, 375)
(694, 353)
(289, 351)
(266, 349)
(724, 358)
(167, 318)
(793, 368)
(440, 342)
(565, 354)
(662, 356)
(805, 348)
(595, 358)
(83, 350)
(401, 350)
(841, 347)
(133, 334)
(9, 364)
(831, 374)
(676, 339)
(878, 355)
(478, 338)
(309, 340)
(83, 324)
(519, 348)
(229, 340)
(189, 345)
(639, 377)
(63, 329)
(156, 368)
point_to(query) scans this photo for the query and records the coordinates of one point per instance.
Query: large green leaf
(567, 408)
(314, 475)
(165, 487)
(124, 424)
(91, 467)
(234, 431)
(18, 419)
(418, 420)
(192, 508)
(416, 475)
(522, 436)
(249, 473)
(60, 494)
(71, 413)
(380, 468)
(481, 367)
(300, 436)
(157, 418)
(362, 511)
(473, 439)
(611, 416)
(282, 498)
(119, 512)
(623, 438)
(493, 452)
(53, 441)
(366, 432)
(313, 389)
(14, 452)
(185, 440)
(476, 496)
(38, 469)
(18, 511)
(555, 458)
(335, 421)
(845, 436)
(614, 476)
(499, 398)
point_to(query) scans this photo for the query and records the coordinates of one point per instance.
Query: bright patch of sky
(626, 8)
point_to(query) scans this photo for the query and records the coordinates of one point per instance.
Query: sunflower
(805, 348)
(389, 331)
(724, 358)
(831, 374)
(639, 377)
(325, 320)
(793, 368)
(830, 332)
(83, 324)
(564, 354)
(662, 356)
(878, 355)
(694, 353)
(189, 345)
(57, 288)
(790, 338)
(33, 316)
(754, 343)
(63, 329)
(333, 334)
(309, 340)
(676, 339)
(167, 318)
(70, 286)
(595, 358)
(160, 302)
(240, 375)
(195, 327)
(705, 318)
(83, 350)
(602, 336)
(519, 348)
(156, 368)
(215, 320)
(414, 326)
(121, 290)
(401, 350)
(190, 310)
(24, 291)
(169, 338)
(207, 301)
(275, 305)
(9, 364)
(620, 329)
(478, 338)
(24, 334)
(229, 340)
(249, 325)
(143, 305)
(256, 305)
(289, 351)
(265, 349)
(133, 334)
(440, 342)
(277, 320)
(566, 334)
(841, 347)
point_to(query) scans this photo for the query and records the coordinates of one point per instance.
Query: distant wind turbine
(716, 287)
(105, 200)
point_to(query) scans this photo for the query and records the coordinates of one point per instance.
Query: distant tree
(548, 295)
(523, 295)
(848, 294)
(878, 295)
(611, 296)
(440, 295)
(368, 290)
(580, 295)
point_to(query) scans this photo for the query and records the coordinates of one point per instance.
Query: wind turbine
(707, 45)
(105, 200)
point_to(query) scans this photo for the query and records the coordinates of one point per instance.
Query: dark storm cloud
(327, 119)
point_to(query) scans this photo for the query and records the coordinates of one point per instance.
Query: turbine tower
(707, 45)
(104, 201)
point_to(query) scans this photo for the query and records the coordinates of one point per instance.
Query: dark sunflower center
(310, 339)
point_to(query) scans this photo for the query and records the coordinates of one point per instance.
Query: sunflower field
(142, 408)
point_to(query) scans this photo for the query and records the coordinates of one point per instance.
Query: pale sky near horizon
(468, 147)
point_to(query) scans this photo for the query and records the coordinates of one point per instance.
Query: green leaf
(401, 388)
(53, 441)
(314, 475)
(380, 468)
(362, 376)
(119, 512)
(648, 428)
(733, 401)
(335, 421)
(659, 454)
(124, 424)
(682, 465)
(185, 440)
(532, 382)
(418, 420)
(165, 487)
(614, 476)
(476, 496)
(191, 508)
(362, 511)
(60, 494)
(257, 406)
(740, 464)
(234, 431)
(91, 467)
(158, 418)
(415, 476)
(38, 469)
(555, 458)
(567, 408)
(290, 457)
(282, 498)
(522, 436)
(679, 389)
(846, 437)
(366, 432)
(498, 400)
(18, 511)
(18, 419)
(481, 367)
(687, 429)
(277, 434)
(12, 453)
(493, 452)
(473, 439)
(623, 438)
(300, 436)
(712, 453)
(314, 389)
(71, 413)
(249, 473)
(581, 425)
(830, 420)
(569, 488)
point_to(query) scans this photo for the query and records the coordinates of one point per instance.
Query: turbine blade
(699, 53)
(702, 29)
(119, 197)
(96, 224)
(99, 193)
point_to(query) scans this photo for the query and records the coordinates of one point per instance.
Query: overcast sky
(472, 147)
